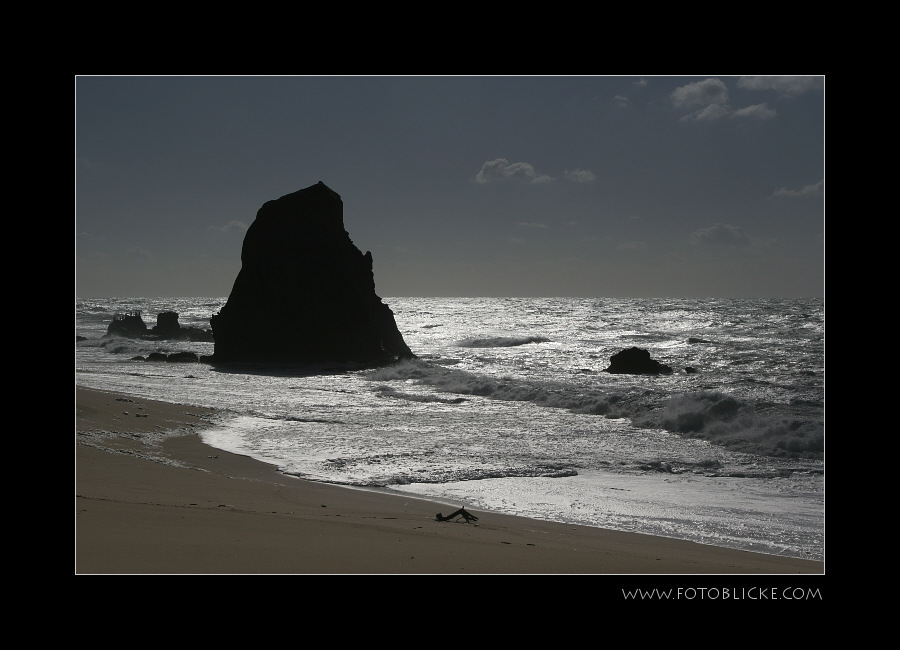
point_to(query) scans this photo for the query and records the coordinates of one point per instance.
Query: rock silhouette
(131, 325)
(305, 293)
(635, 361)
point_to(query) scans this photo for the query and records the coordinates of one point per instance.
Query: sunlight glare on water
(508, 408)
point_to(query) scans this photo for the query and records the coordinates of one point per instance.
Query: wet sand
(151, 498)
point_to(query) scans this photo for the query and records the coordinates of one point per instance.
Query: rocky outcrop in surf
(635, 361)
(305, 293)
(175, 357)
(131, 325)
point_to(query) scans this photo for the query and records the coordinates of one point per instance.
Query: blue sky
(605, 186)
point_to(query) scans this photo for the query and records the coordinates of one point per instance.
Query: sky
(582, 186)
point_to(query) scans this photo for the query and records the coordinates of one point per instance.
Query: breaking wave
(500, 341)
(719, 418)
(726, 420)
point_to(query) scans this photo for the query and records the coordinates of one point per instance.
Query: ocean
(508, 409)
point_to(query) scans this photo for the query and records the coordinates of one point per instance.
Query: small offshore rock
(636, 361)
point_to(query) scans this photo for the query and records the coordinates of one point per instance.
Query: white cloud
(720, 234)
(758, 111)
(89, 237)
(784, 84)
(621, 101)
(232, 226)
(711, 95)
(531, 225)
(701, 93)
(580, 175)
(500, 169)
(708, 113)
(809, 190)
(141, 253)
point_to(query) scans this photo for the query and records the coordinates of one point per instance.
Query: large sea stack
(305, 293)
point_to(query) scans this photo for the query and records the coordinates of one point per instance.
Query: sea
(508, 409)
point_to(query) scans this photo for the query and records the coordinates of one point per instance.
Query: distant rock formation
(167, 327)
(635, 361)
(175, 357)
(305, 293)
(131, 325)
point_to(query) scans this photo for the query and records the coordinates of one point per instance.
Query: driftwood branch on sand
(468, 516)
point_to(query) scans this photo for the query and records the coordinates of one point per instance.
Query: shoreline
(152, 498)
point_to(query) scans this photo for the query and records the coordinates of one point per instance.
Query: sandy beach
(151, 498)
